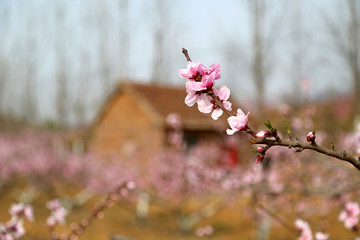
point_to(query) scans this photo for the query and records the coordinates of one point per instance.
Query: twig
(302, 145)
(185, 52)
(219, 104)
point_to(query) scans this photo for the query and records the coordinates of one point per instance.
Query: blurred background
(60, 60)
(92, 108)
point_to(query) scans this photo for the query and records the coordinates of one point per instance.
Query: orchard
(287, 180)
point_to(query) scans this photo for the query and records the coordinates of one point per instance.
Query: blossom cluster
(14, 229)
(200, 89)
(305, 231)
(350, 215)
(204, 231)
(58, 213)
(175, 135)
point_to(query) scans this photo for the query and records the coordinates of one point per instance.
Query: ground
(232, 222)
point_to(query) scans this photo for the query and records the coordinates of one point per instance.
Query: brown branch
(302, 146)
(185, 52)
(219, 104)
(96, 213)
(293, 142)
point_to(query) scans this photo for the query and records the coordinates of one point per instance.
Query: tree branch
(292, 143)
(302, 146)
(185, 52)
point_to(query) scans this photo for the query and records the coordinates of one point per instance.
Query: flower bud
(311, 137)
(260, 149)
(263, 134)
(260, 158)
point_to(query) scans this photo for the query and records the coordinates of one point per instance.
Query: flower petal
(208, 81)
(194, 86)
(184, 73)
(204, 104)
(223, 93)
(227, 105)
(216, 113)
(191, 99)
(215, 70)
(230, 131)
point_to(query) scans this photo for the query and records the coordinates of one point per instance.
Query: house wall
(125, 128)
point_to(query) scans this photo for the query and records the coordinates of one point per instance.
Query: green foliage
(268, 125)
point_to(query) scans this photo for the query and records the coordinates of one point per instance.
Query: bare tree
(124, 38)
(345, 35)
(258, 8)
(297, 55)
(29, 95)
(81, 92)
(3, 78)
(4, 64)
(103, 50)
(265, 31)
(61, 98)
(158, 73)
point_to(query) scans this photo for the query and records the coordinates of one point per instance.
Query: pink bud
(100, 215)
(263, 134)
(311, 137)
(259, 158)
(84, 222)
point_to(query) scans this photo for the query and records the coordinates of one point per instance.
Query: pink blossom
(53, 205)
(192, 70)
(201, 80)
(238, 122)
(208, 76)
(15, 228)
(321, 236)
(263, 134)
(22, 210)
(51, 221)
(191, 99)
(207, 81)
(195, 86)
(214, 70)
(304, 227)
(205, 104)
(58, 213)
(193, 94)
(223, 94)
(57, 217)
(204, 231)
(4, 235)
(131, 185)
(200, 83)
(350, 216)
(173, 120)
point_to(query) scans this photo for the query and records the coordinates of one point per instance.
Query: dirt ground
(231, 223)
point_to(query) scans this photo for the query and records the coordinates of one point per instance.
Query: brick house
(136, 113)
